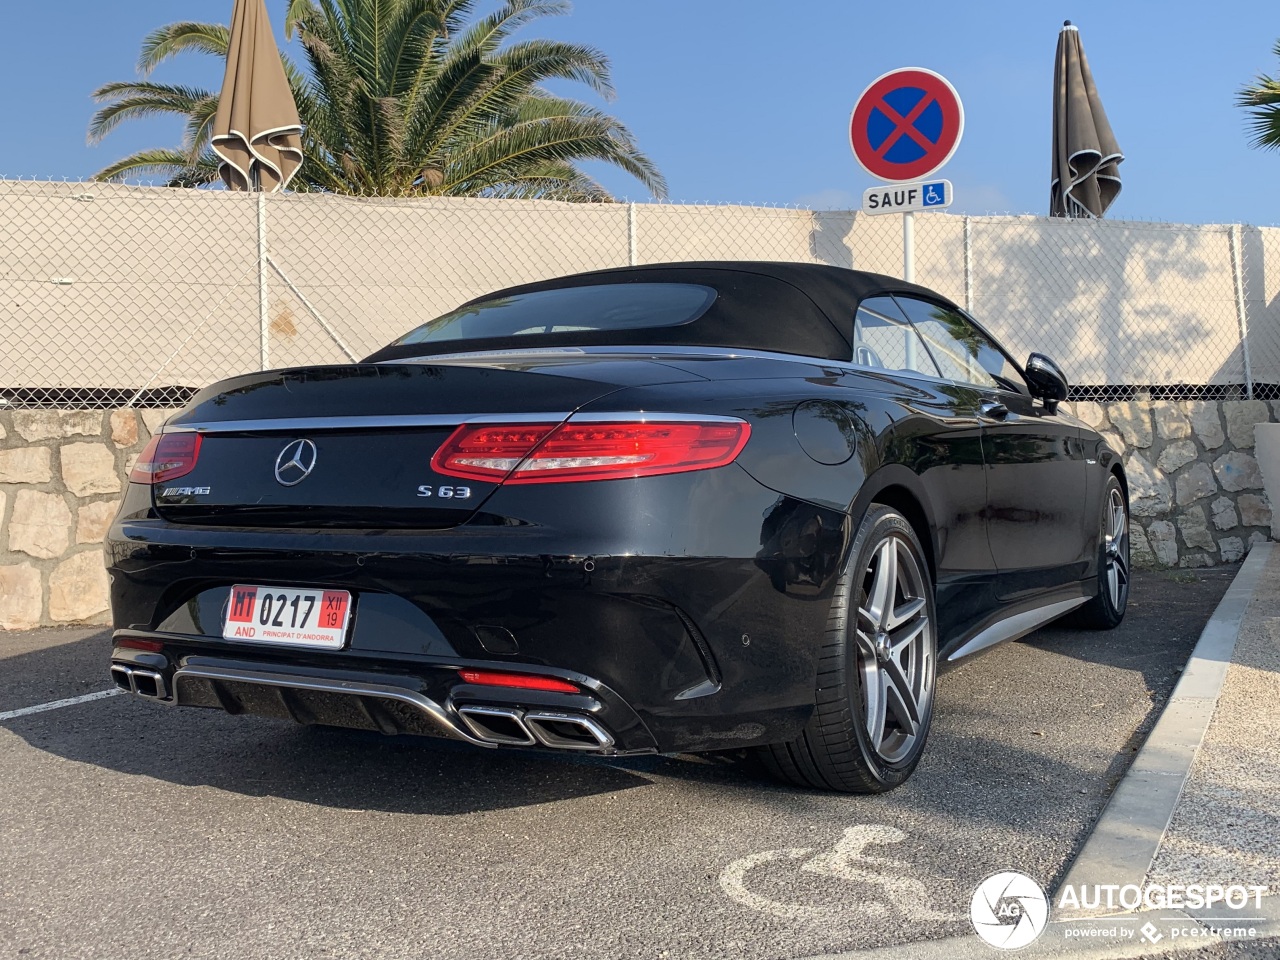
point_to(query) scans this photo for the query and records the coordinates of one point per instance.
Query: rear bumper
(431, 702)
(674, 652)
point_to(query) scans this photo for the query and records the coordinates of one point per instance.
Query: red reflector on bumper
(522, 681)
(133, 643)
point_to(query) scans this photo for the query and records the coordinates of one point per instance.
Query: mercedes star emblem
(295, 463)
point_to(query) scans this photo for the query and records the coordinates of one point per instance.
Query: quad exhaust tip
(139, 681)
(497, 725)
(567, 731)
(509, 726)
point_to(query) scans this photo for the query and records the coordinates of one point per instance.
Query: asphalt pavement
(129, 829)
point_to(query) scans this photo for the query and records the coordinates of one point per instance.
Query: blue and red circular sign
(906, 124)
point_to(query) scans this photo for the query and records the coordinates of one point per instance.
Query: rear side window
(595, 308)
(883, 338)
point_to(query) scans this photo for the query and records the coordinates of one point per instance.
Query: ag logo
(1009, 910)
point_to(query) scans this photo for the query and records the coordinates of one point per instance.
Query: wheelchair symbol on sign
(933, 196)
(848, 861)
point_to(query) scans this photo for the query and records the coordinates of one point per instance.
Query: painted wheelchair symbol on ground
(848, 862)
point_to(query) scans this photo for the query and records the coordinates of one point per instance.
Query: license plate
(291, 616)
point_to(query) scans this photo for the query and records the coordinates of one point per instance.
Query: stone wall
(61, 476)
(1195, 492)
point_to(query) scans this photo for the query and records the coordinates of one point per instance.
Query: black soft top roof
(799, 308)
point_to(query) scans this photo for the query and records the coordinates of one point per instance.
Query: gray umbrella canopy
(1086, 157)
(256, 131)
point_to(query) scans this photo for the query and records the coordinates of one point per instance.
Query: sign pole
(904, 127)
(909, 246)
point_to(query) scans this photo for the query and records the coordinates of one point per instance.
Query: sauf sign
(905, 126)
(907, 197)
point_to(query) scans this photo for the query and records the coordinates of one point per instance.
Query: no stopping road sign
(906, 124)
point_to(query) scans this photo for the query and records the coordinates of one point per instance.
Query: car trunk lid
(351, 446)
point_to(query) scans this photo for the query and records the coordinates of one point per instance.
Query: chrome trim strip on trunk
(426, 705)
(1018, 625)
(388, 422)
(649, 416)
(393, 421)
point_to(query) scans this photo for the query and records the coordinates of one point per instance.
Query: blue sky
(747, 101)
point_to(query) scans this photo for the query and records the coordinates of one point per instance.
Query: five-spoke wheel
(1117, 548)
(895, 649)
(1106, 608)
(876, 671)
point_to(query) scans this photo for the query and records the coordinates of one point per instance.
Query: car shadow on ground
(358, 770)
(1167, 612)
(1009, 723)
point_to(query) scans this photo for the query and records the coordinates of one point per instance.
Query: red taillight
(588, 451)
(167, 457)
(522, 681)
(487, 452)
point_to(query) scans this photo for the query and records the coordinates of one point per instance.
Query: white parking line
(59, 704)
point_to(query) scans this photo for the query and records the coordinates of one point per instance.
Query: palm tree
(1262, 102)
(402, 98)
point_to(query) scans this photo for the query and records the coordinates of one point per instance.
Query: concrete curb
(1125, 839)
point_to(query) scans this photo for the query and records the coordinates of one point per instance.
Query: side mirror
(1047, 381)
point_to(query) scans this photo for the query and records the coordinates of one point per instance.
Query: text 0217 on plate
(292, 616)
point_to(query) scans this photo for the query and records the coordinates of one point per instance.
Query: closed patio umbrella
(1086, 157)
(256, 130)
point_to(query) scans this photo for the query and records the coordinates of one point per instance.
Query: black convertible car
(672, 508)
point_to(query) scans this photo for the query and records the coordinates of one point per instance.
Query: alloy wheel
(895, 644)
(1116, 550)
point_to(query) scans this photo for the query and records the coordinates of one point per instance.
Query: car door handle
(993, 410)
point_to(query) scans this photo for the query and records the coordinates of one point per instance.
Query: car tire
(878, 653)
(1106, 609)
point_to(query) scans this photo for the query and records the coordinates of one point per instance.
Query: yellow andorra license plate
(290, 616)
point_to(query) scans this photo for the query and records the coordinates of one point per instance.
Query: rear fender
(896, 485)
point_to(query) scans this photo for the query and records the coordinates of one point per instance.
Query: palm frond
(131, 101)
(175, 166)
(488, 33)
(200, 125)
(186, 36)
(1261, 103)
(556, 181)
(532, 143)
(410, 43)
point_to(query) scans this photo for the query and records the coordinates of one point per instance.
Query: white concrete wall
(114, 286)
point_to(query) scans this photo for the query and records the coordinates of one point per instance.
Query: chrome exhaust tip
(137, 680)
(149, 684)
(122, 677)
(497, 725)
(567, 731)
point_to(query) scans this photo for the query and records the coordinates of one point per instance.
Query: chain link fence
(135, 296)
